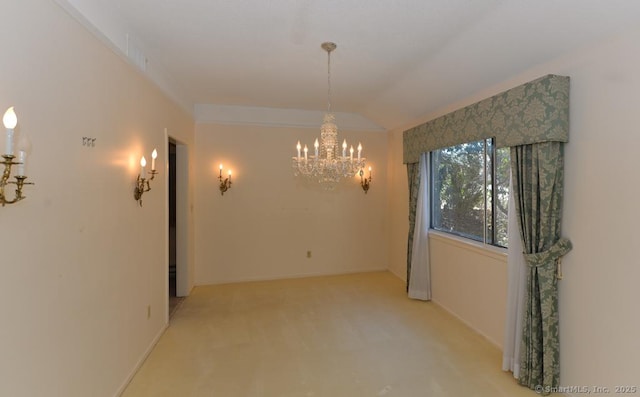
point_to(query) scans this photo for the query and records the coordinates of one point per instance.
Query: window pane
(488, 169)
(470, 191)
(501, 198)
(458, 189)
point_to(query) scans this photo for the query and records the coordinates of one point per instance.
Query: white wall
(398, 207)
(599, 294)
(470, 281)
(81, 261)
(263, 227)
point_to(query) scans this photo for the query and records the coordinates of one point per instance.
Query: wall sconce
(10, 120)
(142, 182)
(225, 184)
(365, 182)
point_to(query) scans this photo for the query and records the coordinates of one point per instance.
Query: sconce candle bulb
(143, 166)
(154, 155)
(24, 148)
(22, 160)
(10, 120)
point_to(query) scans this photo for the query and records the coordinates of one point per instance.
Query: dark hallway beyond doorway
(173, 299)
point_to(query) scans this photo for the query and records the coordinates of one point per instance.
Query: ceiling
(396, 60)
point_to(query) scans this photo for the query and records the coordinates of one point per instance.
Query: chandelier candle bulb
(229, 175)
(10, 120)
(316, 145)
(298, 147)
(305, 153)
(359, 150)
(351, 153)
(344, 148)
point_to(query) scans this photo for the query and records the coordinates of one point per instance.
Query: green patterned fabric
(534, 112)
(413, 172)
(538, 173)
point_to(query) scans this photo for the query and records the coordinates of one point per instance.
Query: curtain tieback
(552, 255)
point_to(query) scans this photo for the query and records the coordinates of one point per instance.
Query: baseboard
(402, 277)
(466, 323)
(454, 314)
(141, 361)
(292, 276)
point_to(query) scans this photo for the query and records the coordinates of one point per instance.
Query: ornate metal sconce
(225, 184)
(10, 120)
(142, 182)
(365, 182)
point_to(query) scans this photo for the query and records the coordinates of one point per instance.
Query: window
(470, 191)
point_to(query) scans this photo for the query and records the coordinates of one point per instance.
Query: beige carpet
(351, 335)
(174, 303)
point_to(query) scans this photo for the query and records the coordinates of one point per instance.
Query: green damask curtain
(413, 172)
(537, 111)
(538, 173)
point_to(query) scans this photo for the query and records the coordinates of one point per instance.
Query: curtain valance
(537, 111)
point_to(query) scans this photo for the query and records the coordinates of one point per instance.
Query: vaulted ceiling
(396, 59)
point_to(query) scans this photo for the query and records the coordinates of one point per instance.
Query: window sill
(492, 251)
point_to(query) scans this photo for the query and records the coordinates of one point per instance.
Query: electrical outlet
(308, 254)
(148, 311)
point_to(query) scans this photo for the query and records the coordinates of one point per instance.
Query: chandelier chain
(329, 82)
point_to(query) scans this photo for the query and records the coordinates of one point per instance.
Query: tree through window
(470, 191)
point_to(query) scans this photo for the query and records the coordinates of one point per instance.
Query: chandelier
(328, 165)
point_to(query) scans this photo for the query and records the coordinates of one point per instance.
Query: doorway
(174, 300)
(179, 262)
